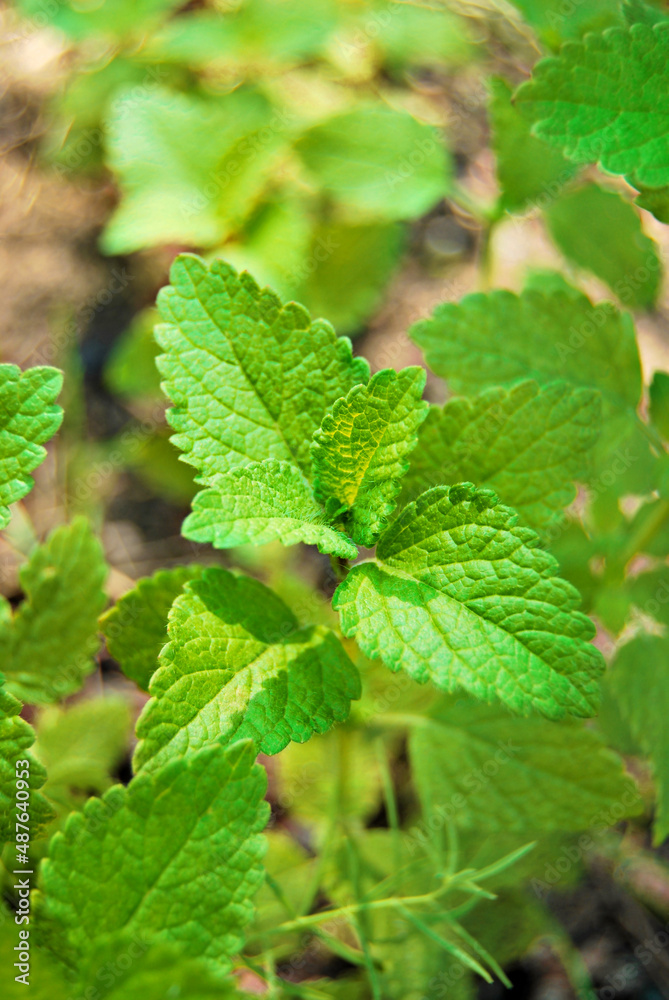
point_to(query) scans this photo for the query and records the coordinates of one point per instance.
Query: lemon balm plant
(371, 796)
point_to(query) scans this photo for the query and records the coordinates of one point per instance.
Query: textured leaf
(601, 232)
(639, 682)
(81, 745)
(605, 100)
(378, 162)
(526, 443)
(263, 502)
(360, 452)
(502, 338)
(495, 771)
(28, 418)
(16, 739)
(659, 403)
(238, 665)
(461, 595)
(175, 856)
(47, 645)
(136, 626)
(190, 169)
(250, 379)
(529, 170)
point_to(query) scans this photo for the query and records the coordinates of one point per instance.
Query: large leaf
(639, 682)
(250, 378)
(527, 443)
(483, 768)
(360, 452)
(239, 665)
(601, 232)
(16, 740)
(136, 626)
(175, 856)
(461, 595)
(378, 162)
(28, 418)
(47, 645)
(263, 502)
(624, 126)
(502, 338)
(190, 169)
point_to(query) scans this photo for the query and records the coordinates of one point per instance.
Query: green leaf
(81, 745)
(639, 681)
(28, 418)
(601, 232)
(131, 369)
(529, 170)
(259, 503)
(659, 403)
(360, 452)
(250, 378)
(527, 443)
(16, 739)
(114, 19)
(556, 21)
(190, 168)
(650, 593)
(552, 333)
(378, 162)
(624, 128)
(47, 644)
(489, 770)
(656, 201)
(636, 10)
(239, 665)
(461, 595)
(136, 626)
(175, 856)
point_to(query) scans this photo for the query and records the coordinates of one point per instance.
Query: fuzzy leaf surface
(263, 502)
(249, 378)
(28, 417)
(499, 772)
(239, 665)
(461, 595)
(175, 855)
(136, 626)
(360, 452)
(606, 100)
(16, 739)
(47, 645)
(527, 443)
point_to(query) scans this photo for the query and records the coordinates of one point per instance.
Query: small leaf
(493, 771)
(259, 503)
(136, 626)
(16, 739)
(461, 595)
(28, 418)
(47, 645)
(526, 443)
(238, 665)
(174, 856)
(250, 378)
(361, 450)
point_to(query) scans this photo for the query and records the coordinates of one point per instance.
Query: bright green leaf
(487, 769)
(360, 452)
(250, 378)
(556, 20)
(115, 19)
(378, 162)
(606, 100)
(238, 665)
(463, 596)
(16, 739)
(527, 443)
(136, 626)
(28, 418)
(601, 232)
(47, 645)
(175, 856)
(659, 403)
(263, 502)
